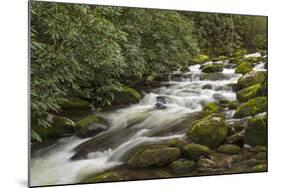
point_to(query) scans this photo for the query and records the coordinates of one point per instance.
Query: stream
(178, 102)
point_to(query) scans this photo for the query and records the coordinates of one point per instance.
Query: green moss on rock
(104, 177)
(209, 131)
(182, 166)
(233, 105)
(260, 168)
(251, 78)
(178, 143)
(195, 151)
(210, 108)
(239, 53)
(212, 68)
(90, 126)
(127, 95)
(243, 68)
(199, 59)
(252, 107)
(155, 155)
(248, 93)
(256, 131)
(71, 103)
(229, 149)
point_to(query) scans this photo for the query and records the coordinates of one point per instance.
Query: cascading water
(134, 126)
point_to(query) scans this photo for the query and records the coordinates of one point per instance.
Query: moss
(239, 53)
(155, 155)
(209, 131)
(195, 151)
(88, 121)
(234, 60)
(178, 143)
(262, 91)
(210, 108)
(252, 107)
(243, 68)
(229, 149)
(253, 59)
(182, 166)
(248, 93)
(104, 177)
(233, 105)
(199, 59)
(251, 78)
(260, 168)
(60, 126)
(256, 131)
(224, 103)
(261, 156)
(127, 95)
(212, 68)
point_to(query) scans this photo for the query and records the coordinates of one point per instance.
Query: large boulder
(154, 155)
(243, 68)
(229, 149)
(195, 151)
(199, 59)
(256, 131)
(251, 78)
(59, 127)
(182, 166)
(127, 96)
(90, 126)
(248, 93)
(252, 107)
(212, 68)
(209, 131)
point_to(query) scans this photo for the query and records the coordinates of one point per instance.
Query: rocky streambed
(210, 118)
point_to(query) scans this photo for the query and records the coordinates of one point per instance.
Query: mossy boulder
(224, 103)
(182, 166)
(104, 177)
(248, 93)
(251, 107)
(243, 68)
(210, 108)
(199, 59)
(90, 126)
(212, 68)
(60, 126)
(262, 90)
(260, 168)
(253, 59)
(74, 103)
(256, 131)
(127, 96)
(251, 78)
(177, 143)
(154, 155)
(195, 151)
(261, 156)
(233, 105)
(239, 53)
(210, 131)
(230, 149)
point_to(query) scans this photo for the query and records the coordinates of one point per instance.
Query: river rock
(252, 107)
(104, 177)
(182, 166)
(229, 149)
(239, 53)
(210, 130)
(243, 68)
(206, 163)
(262, 90)
(233, 105)
(251, 78)
(236, 138)
(256, 131)
(178, 143)
(260, 168)
(212, 68)
(261, 156)
(248, 93)
(90, 126)
(127, 96)
(199, 59)
(210, 108)
(195, 151)
(74, 103)
(207, 86)
(154, 155)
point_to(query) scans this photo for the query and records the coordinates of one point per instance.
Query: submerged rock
(252, 107)
(209, 131)
(229, 149)
(248, 93)
(182, 166)
(155, 155)
(251, 78)
(195, 151)
(212, 68)
(90, 126)
(243, 68)
(256, 131)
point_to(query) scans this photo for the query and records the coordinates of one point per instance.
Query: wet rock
(252, 107)
(162, 99)
(199, 59)
(259, 148)
(104, 177)
(195, 151)
(256, 131)
(212, 68)
(218, 96)
(224, 103)
(260, 168)
(71, 103)
(210, 130)
(127, 96)
(182, 166)
(178, 143)
(233, 105)
(236, 138)
(261, 156)
(206, 163)
(210, 108)
(239, 53)
(160, 106)
(155, 155)
(207, 86)
(248, 93)
(251, 78)
(243, 68)
(262, 90)
(230, 149)
(90, 126)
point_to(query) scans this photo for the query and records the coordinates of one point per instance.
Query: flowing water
(178, 100)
